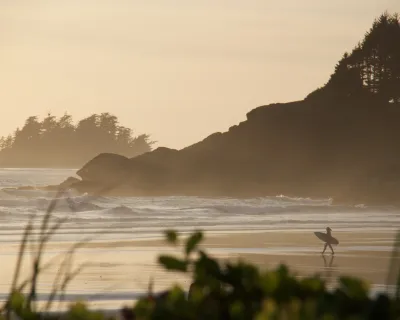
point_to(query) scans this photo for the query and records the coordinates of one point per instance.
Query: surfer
(328, 242)
(327, 238)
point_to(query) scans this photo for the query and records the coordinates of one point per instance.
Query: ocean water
(113, 219)
(124, 218)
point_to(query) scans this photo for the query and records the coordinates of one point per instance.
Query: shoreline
(117, 271)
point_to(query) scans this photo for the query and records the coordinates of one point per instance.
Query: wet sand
(116, 273)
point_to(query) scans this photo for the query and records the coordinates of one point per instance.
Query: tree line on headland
(372, 69)
(58, 142)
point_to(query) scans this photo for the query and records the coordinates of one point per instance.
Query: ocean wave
(71, 204)
(327, 201)
(261, 210)
(121, 210)
(11, 202)
(79, 203)
(183, 211)
(5, 195)
(13, 192)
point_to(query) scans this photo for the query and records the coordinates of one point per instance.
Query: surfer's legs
(324, 248)
(333, 252)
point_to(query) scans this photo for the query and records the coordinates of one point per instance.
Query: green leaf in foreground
(354, 288)
(193, 241)
(79, 311)
(269, 282)
(171, 236)
(171, 263)
(17, 301)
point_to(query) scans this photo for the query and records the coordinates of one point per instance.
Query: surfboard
(325, 238)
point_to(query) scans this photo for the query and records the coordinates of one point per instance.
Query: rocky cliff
(309, 148)
(342, 141)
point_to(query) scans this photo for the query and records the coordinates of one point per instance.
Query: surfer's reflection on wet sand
(328, 269)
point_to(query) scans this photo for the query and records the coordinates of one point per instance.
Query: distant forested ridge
(58, 142)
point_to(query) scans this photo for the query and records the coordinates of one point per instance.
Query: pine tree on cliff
(373, 68)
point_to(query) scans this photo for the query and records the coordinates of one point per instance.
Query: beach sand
(117, 272)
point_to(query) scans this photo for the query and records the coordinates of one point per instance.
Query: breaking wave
(132, 217)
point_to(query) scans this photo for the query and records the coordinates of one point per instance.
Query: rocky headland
(342, 141)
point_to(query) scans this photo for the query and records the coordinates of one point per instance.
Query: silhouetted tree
(6, 142)
(141, 144)
(29, 135)
(346, 79)
(373, 67)
(9, 141)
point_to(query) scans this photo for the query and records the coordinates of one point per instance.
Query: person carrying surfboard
(327, 238)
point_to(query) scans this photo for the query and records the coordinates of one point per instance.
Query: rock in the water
(105, 168)
(70, 181)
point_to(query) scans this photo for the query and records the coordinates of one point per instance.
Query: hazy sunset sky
(178, 70)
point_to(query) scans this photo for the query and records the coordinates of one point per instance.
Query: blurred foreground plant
(239, 290)
(23, 304)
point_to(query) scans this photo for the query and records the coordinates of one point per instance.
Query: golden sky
(177, 69)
